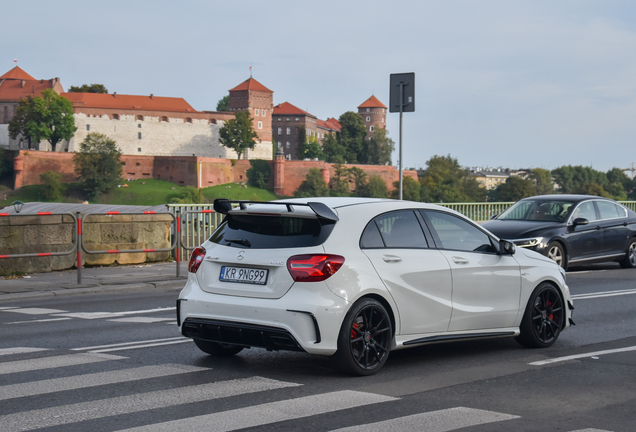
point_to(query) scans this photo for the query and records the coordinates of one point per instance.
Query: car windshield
(538, 210)
(270, 232)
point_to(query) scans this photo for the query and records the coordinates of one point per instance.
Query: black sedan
(570, 229)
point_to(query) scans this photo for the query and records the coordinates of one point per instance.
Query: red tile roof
(14, 90)
(372, 102)
(288, 109)
(127, 102)
(17, 74)
(330, 123)
(251, 84)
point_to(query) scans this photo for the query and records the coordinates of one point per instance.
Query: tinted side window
(401, 229)
(371, 237)
(585, 210)
(609, 210)
(457, 234)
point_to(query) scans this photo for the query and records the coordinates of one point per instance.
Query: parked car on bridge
(358, 278)
(570, 229)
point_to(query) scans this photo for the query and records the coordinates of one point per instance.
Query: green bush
(258, 175)
(313, 185)
(53, 188)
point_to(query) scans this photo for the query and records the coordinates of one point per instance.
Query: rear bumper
(307, 318)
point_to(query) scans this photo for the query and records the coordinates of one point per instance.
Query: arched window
(371, 128)
(164, 119)
(188, 120)
(140, 118)
(115, 116)
(368, 118)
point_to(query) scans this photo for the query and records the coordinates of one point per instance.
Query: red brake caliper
(353, 333)
(551, 315)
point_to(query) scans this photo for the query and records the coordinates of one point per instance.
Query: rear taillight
(196, 259)
(313, 268)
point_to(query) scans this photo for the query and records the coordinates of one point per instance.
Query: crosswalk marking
(269, 413)
(92, 380)
(591, 430)
(54, 361)
(181, 340)
(434, 421)
(19, 350)
(142, 320)
(38, 321)
(128, 343)
(98, 315)
(578, 356)
(35, 311)
(134, 403)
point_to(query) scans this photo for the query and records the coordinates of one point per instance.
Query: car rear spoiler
(322, 211)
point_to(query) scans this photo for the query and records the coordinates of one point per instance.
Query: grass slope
(148, 192)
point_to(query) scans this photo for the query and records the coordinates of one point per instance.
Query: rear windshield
(270, 232)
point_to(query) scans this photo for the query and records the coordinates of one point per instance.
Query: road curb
(97, 289)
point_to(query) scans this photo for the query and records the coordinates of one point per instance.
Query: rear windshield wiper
(243, 242)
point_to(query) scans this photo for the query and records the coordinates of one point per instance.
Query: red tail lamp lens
(196, 259)
(314, 268)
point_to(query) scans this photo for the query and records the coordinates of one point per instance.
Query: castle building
(374, 114)
(258, 100)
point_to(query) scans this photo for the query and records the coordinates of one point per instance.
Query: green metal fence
(198, 227)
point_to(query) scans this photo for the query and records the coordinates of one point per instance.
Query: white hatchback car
(357, 278)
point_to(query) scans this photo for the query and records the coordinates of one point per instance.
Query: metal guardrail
(44, 254)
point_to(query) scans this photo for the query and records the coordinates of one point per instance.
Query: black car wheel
(364, 341)
(557, 254)
(543, 318)
(218, 349)
(630, 259)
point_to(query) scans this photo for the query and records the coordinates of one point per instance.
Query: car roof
(566, 197)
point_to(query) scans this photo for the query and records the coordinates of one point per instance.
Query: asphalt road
(110, 362)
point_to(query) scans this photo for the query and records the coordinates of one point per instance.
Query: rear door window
(609, 210)
(270, 232)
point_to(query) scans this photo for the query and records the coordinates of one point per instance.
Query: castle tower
(374, 114)
(258, 100)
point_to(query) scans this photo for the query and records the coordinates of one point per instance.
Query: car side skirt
(408, 341)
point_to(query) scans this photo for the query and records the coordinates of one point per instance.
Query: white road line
(35, 311)
(73, 413)
(7, 308)
(130, 347)
(142, 320)
(98, 315)
(434, 421)
(269, 413)
(603, 294)
(19, 350)
(578, 356)
(54, 362)
(128, 343)
(92, 380)
(38, 321)
(591, 430)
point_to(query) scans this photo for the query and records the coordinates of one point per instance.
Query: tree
(542, 180)
(223, 104)
(334, 152)
(313, 185)
(353, 136)
(340, 181)
(445, 181)
(238, 133)
(379, 148)
(92, 88)
(360, 181)
(309, 147)
(410, 189)
(5, 165)
(258, 175)
(514, 189)
(49, 118)
(572, 179)
(53, 187)
(593, 189)
(97, 164)
(377, 187)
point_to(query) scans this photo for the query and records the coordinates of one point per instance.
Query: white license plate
(243, 275)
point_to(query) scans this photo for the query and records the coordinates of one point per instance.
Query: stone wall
(42, 234)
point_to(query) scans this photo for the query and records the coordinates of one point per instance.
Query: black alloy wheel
(543, 319)
(217, 349)
(557, 254)
(630, 259)
(365, 338)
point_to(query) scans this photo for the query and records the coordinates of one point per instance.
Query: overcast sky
(498, 83)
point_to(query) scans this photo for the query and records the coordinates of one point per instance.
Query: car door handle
(459, 260)
(599, 227)
(391, 258)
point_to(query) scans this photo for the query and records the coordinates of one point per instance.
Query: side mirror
(580, 221)
(494, 216)
(507, 247)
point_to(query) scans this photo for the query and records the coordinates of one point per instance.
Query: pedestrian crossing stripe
(53, 362)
